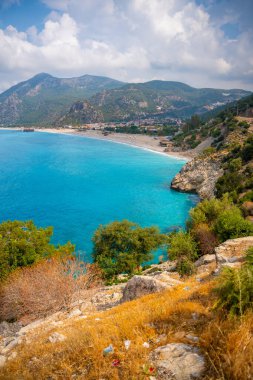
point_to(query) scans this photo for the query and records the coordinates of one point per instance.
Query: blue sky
(205, 43)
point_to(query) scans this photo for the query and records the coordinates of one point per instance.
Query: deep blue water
(75, 183)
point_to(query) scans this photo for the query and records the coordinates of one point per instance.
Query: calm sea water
(75, 184)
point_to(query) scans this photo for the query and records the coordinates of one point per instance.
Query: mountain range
(45, 100)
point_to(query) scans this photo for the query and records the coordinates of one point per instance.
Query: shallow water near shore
(75, 184)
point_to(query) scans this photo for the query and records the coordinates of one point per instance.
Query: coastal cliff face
(199, 176)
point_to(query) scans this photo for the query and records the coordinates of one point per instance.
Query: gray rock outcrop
(205, 260)
(199, 176)
(139, 286)
(232, 252)
(178, 361)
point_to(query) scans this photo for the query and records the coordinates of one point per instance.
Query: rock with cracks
(177, 361)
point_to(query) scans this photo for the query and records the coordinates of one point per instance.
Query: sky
(204, 43)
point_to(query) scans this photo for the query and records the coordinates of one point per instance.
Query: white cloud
(133, 40)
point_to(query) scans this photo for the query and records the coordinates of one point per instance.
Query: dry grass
(80, 356)
(229, 347)
(46, 287)
(140, 321)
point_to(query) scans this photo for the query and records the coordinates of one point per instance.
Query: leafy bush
(208, 210)
(235, 164)
(183, 248)
(216, 132)
(247, 150)
(235, 287)
(22, 244)
(208, 152)
(228, 183)
(185, 266)
(244, 124)
(121, 247)
(247, 197)
(230, 224)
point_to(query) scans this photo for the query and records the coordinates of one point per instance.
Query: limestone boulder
(205, 260)
(139, 286)
(178, 361)
(232, 252)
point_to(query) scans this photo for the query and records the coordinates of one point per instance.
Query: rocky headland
(199, 176)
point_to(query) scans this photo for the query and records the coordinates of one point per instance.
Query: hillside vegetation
(157, 99)
(44, 99)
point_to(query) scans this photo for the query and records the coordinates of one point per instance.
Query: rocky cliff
(199, 176)
(81, 112)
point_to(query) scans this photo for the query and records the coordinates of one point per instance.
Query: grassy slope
(226, 345)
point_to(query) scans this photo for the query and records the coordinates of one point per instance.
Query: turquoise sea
(75, 183)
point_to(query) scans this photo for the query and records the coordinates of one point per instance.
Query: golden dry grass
(80, 356)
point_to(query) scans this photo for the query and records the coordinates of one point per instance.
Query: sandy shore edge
(146, 142)
(139, 141)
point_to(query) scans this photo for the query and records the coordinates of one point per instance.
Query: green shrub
(183, 248)
(244, 124)
(235, 287)
(185, 266)
(216, 132)
(247, 197)
(247, 150)
(230, 224)
(208, 210)
(228, 183)
(235, 164)
(208, 151)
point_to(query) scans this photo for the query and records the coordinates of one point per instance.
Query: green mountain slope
(44, 98)
(155, 99)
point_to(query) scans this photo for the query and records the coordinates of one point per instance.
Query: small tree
(22, 244)
(183, 248)
(121, 247)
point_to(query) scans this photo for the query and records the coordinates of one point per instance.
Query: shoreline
(145, 142)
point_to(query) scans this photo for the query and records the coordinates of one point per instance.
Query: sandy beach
(141, 141)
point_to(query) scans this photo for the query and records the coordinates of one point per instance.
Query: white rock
(56, 337)
(13, 355)
(178, 361)
(74, 313)
(2, 360)
(10, 346)
(193, 338)
(31, 326)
